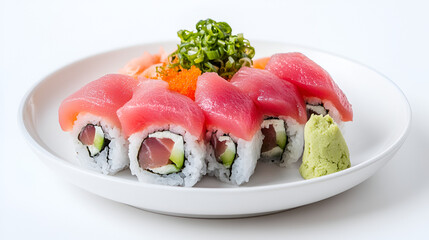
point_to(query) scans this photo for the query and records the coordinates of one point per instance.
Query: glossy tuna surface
(273, 96)
(310, 79)
(226, 107)
(154, 105)
(102, 97)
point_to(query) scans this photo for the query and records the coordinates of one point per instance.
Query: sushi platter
(371, 142)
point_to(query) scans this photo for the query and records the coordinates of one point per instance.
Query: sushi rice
(328, 106)
(248, 153)
(194, 166)
(113, 158)
(295, 142)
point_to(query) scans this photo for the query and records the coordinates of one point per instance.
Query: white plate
(381, 122)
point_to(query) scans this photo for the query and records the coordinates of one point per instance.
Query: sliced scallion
(212, 48)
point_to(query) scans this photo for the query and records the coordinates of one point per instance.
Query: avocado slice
(98, 144)
(279, 127)
(177, 154)
(167, 169)
(228, 156)
(281, 138)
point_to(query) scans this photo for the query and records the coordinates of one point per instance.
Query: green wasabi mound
(325, 150)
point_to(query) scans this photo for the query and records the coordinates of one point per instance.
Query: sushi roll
(284, 113)
(321, 94)
(233, 136)
(89, 115)
(165, 132)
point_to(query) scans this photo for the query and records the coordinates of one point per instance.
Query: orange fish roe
(183, 81)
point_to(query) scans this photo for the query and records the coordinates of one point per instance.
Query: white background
(38, 37)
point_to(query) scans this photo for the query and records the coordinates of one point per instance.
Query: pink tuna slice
(273, 96)
(155, 152)
(102, 97)
(270, 138)
(87, 134)
(154, 105)
(311, 80)
(218, 146)
(226, 107)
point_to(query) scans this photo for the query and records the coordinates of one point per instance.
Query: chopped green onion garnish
(212, 48)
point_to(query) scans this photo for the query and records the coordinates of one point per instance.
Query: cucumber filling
(275, 138)
(162, 153)
(225, 150)
(167, 169)
(92, 136)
